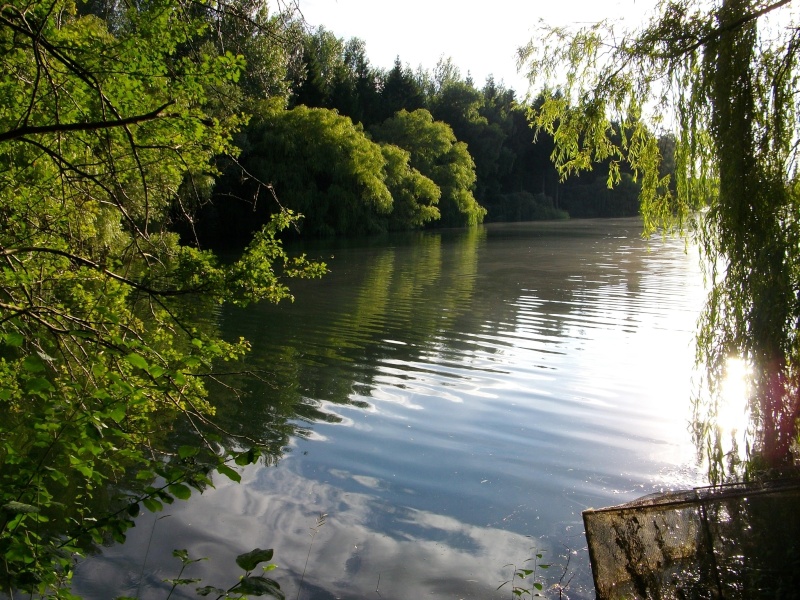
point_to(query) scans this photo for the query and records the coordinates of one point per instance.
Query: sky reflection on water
(470, 390)
(365, 545)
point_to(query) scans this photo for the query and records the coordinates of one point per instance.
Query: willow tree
(323, 165)
(438, 155)
(721, 76)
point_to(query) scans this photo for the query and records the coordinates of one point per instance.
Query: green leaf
(180, 491)
(250, 560)
(246, 458)
(58, 476)
(182, 554)
(187, 451)
(137, 360)
(152, 504)
(38, 384)
(17, 508)
(209, 589)
(133, 510)
(192, 362)
(260, 586)
(85, 470)
(13, 339)
(118, 414)
(229, 473)
(182, 581)
(145, 475)
(33, 364)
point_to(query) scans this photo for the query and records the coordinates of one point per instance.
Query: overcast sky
(480, 37)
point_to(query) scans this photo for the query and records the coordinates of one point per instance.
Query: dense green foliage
(727, 73)
(323, 166)
(497, 170)
(414, 195)
(437, 154)
(101, 343)
(514, 178)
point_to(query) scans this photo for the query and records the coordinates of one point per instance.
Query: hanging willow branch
(727, 96)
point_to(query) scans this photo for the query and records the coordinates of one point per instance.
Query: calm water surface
(452, 401)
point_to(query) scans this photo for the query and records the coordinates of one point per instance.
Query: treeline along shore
(357, 149)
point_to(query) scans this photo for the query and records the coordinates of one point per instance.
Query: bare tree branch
(90, 126)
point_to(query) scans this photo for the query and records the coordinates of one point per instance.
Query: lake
(451, 401)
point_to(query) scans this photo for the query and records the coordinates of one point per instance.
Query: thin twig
(314, 531)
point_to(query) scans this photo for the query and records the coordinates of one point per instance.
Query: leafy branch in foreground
(105, 340)
(520, 574)
(722, 78)
(247, 585)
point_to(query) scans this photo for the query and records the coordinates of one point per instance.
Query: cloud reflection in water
(364, 546)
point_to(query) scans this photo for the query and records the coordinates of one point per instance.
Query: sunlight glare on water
(733, 414)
